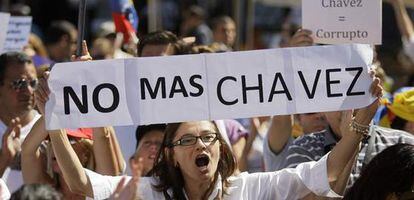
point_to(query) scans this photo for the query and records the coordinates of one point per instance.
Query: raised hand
(301, 38)
(42, 93)
(129, 191)
(85, 54)
(11, 144)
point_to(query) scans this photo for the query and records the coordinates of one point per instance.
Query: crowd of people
(366, 153)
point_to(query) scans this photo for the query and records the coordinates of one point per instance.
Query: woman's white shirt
(292, 183)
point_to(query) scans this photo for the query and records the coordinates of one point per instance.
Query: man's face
(71, 48)
(67, 47)
(312, 122)
(18, 101)
(334, 120)
(148, 148)
(225, 33)
(157, 50)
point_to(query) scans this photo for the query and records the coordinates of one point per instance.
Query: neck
(195, 189)
(24, 118)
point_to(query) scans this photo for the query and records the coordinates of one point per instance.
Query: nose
(154, 147)
(200, 145)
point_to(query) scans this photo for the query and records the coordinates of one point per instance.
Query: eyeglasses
(191, 140)
(23, 83)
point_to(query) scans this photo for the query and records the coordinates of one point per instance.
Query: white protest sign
(4, 24)
(17, 33)
(343, 21)
(209, 86)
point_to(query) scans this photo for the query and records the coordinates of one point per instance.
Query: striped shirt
(314, 146)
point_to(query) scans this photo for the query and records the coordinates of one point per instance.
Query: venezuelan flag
(125, 17)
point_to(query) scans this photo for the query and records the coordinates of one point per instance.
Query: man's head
(224, 30)
(149, 139)
(193, 16)
(312, 122)
(60, 40)
(159, 43)
(18, 80)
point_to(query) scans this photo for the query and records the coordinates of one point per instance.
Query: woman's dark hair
(390, 172)
(36, 191)
(170, 176)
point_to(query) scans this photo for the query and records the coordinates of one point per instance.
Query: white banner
(17, 33)
(209, 86)
(343, 21)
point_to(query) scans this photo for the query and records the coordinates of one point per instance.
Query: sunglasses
(23, 83)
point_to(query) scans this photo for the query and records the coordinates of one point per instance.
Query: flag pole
(81, 27)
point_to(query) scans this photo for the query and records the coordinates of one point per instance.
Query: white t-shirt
(292, 183)
(14, 178)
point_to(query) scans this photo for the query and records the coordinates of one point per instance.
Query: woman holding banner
(195, 163)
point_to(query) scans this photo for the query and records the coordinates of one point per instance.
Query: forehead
(227, 25)
(16, 70)
(153, 135)
(156, 50)
(195, 128)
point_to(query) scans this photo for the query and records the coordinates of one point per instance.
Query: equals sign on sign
(341, 18)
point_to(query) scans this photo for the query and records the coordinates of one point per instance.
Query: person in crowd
(18, 81)
(60, 40)
(39, 162)
(36, 191)
(237, 136)
(397, 112)
(311, 122)
(102, 49)
(224, 33)
(37, 51)
(253, 150)
(389, 176)
(195, 161)
(282, 151)
(405, 25)
(159, 43)
(102, 153)
(149, 140)
(194, 25)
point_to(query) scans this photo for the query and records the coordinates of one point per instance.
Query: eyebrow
(202, 132)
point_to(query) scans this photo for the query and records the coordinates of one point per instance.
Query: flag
(125, 17)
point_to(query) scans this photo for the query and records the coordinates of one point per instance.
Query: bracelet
(358, 128)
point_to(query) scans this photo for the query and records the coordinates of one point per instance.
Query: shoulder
(393, 135)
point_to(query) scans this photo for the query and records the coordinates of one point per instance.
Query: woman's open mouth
(202, 162)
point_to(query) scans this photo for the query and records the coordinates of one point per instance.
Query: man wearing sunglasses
(18, 81)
